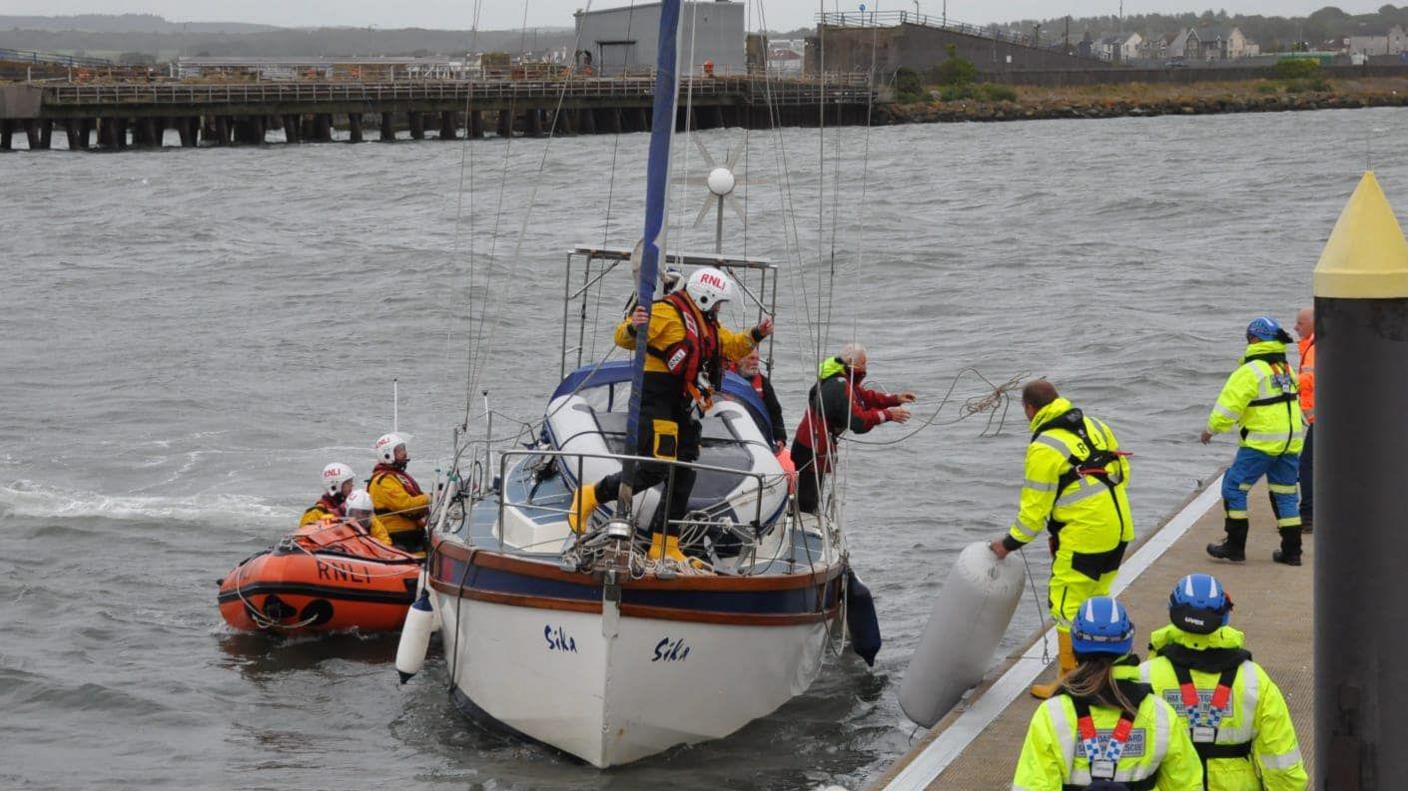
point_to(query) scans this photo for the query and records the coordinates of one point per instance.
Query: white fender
(965, 626)
(415, 638)
(423, 589)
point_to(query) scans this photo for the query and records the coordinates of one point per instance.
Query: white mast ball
(721, 181)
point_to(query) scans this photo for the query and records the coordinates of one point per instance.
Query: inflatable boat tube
(965, 626)
(731, 438)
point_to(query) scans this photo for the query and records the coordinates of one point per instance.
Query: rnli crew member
(1076, 486)
(1235, 714)
(1305, 380)
(1106, 730)
(684, 364)
(338, 480)
(838, 402)
(750, 369)
(1261, 397)
(400, 504)
(362, 514)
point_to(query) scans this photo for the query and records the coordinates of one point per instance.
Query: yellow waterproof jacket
(398, 510)
(1158, 750)
(379, 532)
(1257, 721)
(666, 330)
(317, 513)
(1261, 397)
(1090, 516)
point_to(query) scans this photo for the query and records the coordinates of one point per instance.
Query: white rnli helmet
(334, 475)
(709, 288)
(386, 447)
(359, 500)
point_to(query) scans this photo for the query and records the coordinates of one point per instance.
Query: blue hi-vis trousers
(1282, 474)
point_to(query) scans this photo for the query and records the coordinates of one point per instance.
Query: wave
(29, 499)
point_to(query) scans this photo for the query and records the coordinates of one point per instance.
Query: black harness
(1095, 464)
(1279, 367)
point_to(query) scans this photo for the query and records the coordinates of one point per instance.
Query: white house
(1119, 47)
(1391, 43)
(618, 40)
(1217, 43)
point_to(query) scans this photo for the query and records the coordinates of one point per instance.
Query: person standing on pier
(1305, 380)
(400, 504)
(1106, 729)
(1076, 486)
(1261, 397)
(685, 354)
(1235, 714)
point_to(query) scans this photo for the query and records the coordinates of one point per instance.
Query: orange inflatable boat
(326, 577)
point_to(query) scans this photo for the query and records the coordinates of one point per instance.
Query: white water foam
(30, 499)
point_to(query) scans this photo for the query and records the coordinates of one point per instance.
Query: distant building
(787, 56)
(1178, 45)
(622, 40)
(1120, 47)
(1394, 42)
(1157, 47)
(1216, 43)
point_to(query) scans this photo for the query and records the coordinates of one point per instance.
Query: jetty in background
(124, 115)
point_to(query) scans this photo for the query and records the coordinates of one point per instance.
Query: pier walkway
(243, 113)
(976, 746)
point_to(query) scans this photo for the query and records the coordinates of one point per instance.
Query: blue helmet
(1102, 627)
(1265, 328)
(1199, 604)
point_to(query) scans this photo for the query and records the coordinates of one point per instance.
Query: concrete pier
(977, 745)
(240, 114)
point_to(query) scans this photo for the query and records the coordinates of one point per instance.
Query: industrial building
(618, 41)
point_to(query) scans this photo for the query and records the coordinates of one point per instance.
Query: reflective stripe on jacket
(1157, 750)
(1261, 397)
(1090, 516)
(1306, 379)
(1258, 715)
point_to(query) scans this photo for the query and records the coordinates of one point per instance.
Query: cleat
(1225, 551)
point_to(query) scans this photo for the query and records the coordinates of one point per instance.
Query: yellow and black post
(1361, 492)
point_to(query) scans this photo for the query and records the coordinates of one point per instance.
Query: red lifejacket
(757, 382)
(698, 353)
(407, 482)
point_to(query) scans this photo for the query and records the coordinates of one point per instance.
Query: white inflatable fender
(965, 627)
(415, 638)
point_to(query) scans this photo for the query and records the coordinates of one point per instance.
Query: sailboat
(582, 641)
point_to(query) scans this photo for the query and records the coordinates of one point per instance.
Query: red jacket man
(836, 403)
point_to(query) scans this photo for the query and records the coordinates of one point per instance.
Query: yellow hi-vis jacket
(1261, 397)
(1158, 755)
(398, 509)
(1090, 516)
(1257, 723)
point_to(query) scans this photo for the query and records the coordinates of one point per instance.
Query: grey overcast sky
(502, 14)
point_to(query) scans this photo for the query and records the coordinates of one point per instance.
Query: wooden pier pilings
(137, 116)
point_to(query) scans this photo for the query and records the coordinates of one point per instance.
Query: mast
(657, 174)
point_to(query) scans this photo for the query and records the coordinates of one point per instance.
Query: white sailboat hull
(611, 689)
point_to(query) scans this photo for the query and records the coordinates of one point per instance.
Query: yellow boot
(1065, 663)
(663, 546)
(583, 505)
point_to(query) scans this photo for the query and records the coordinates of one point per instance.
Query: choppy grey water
(188, 336)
